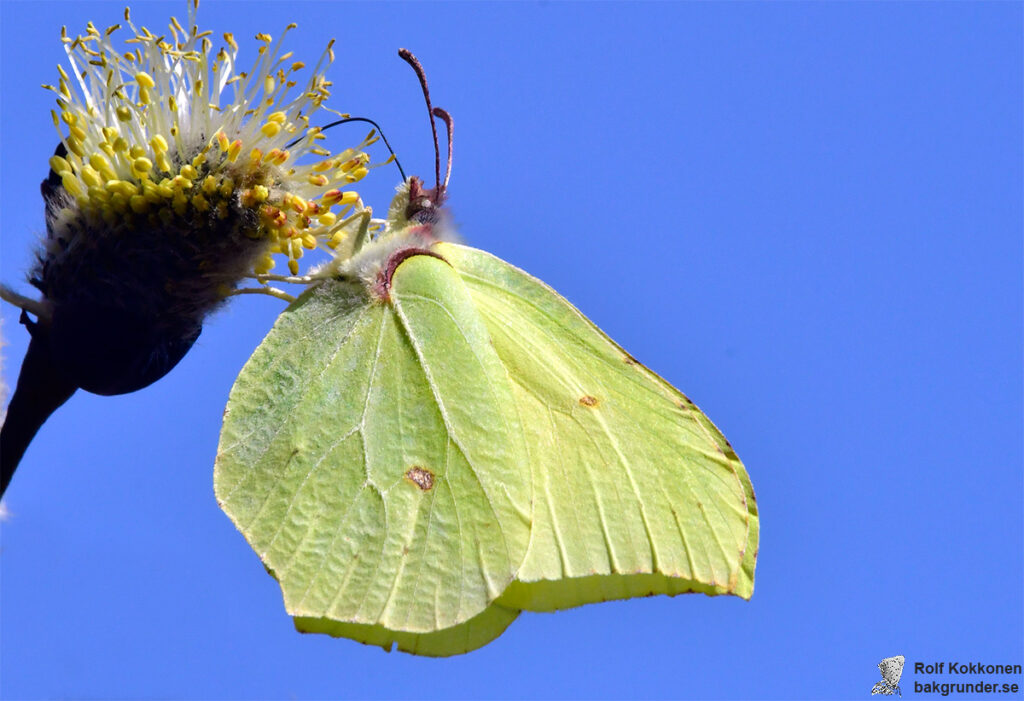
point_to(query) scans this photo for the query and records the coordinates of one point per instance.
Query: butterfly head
(415, 204)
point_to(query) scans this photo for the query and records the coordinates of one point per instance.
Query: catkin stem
(272, 291)
(293, 279)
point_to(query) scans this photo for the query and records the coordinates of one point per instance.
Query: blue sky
(805, 216)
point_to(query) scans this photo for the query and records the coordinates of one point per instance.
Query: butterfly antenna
(368, 121)
(450, 126)
(408, 57)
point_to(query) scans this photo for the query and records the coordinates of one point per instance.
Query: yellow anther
(327, 218)
(270, 129)
(332, 197)
(227, 187)
(323, 166)
(100, 163)
(118, 203)
(69, 118)
(142, 165)
(71, 184)
(318, 179)
(278, 157)
(165, 190)
(144, 98)
(179, 204)
(264, 265)
(256, 156)
(59, 166)
(109, 134)
(277, 117)
(144, 80)
(234, 149)
(336, 239)
(158, 143)
(189, 172)
(351, 163)
(78, 133)
(139, 204)
(209, 184)
(309, 241)
(121, 187)
(91, 177)
(123, 113)
(260, 193)
(163, 163)
(293, 266)
(222, 141)
(98, 194)
(75, 147)
(199, 160)
(151, 192)
(200, 203)
(136, 152)
(357, 175)
(298, 66)
(269, 85)
(180, 182)
(120, 144)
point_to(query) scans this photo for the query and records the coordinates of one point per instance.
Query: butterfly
(430, 441)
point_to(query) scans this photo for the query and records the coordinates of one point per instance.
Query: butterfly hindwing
(636, 492)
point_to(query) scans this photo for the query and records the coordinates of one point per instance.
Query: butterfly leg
(265, 290)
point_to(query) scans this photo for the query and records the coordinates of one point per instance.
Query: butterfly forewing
(372, 456)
